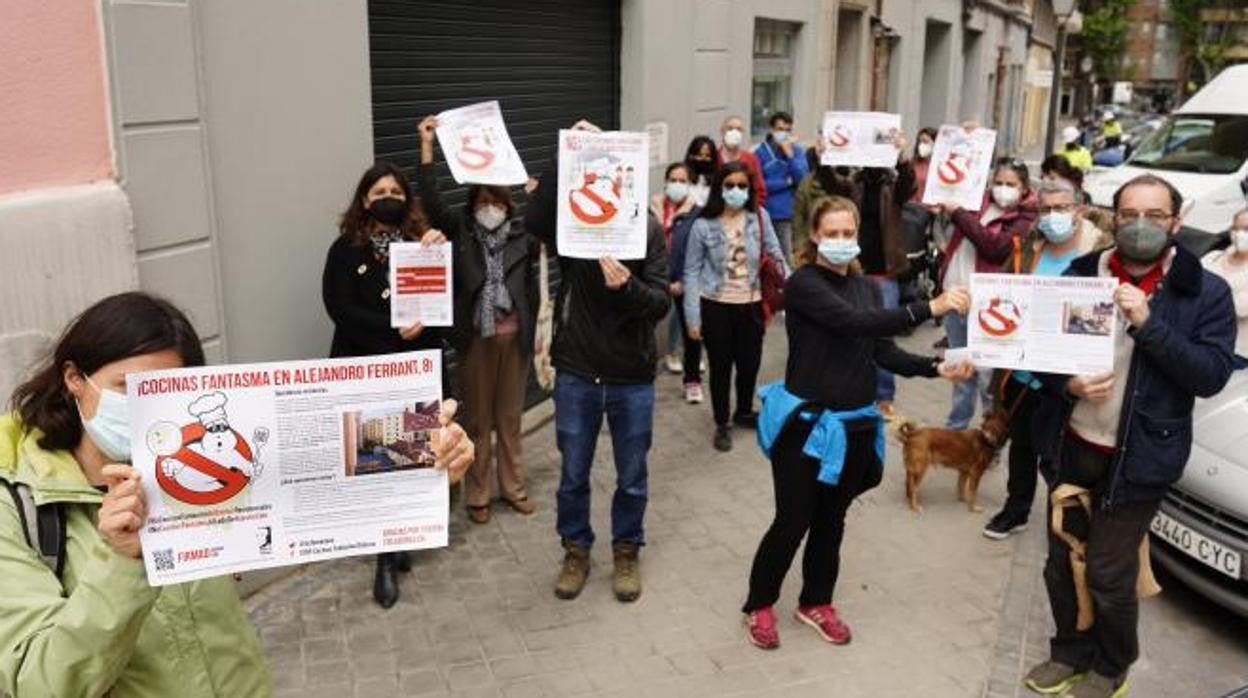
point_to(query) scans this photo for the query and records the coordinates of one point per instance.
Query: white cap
(1070, 134)
(1109, 116)
(210, 409)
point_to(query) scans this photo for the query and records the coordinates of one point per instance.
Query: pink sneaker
(761, 628)
(825, 622)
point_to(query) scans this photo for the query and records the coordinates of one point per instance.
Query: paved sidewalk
(924, 594)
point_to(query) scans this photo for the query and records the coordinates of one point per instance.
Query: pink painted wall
(54, 120)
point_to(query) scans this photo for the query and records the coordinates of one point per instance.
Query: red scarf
(1147, 283)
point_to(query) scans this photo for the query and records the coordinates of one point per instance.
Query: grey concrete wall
(287, 103)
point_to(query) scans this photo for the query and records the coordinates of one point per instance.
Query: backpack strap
(43, 526)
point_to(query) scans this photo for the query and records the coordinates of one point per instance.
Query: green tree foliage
(1201, 41)
(1105, 29)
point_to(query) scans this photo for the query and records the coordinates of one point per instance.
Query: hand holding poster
(477, 148)
(603, 194)
(961, 163)
(860, 139)
(420, 285)
(262, 465)
(1048, 324)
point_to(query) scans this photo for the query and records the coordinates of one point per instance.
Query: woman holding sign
(820, 427)
(495, 318)
(982, 241)
(77, 616)
(355, 287)
(723, 292)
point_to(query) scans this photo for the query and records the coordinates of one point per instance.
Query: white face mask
(1239, 240)
(733, 137)
(1005, 196)
(925, 150)
(109, 429)
(491, 216)
(780, 136)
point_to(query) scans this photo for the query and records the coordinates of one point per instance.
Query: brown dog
(969, 451)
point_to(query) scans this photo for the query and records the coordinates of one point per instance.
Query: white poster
(603, 192)
(262, 465)
(860, 139)
(477, 148)
(420, 285)
(1048, 324)
(961, 164)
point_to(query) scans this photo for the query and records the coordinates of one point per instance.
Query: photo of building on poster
(390, 438)
(603, 190)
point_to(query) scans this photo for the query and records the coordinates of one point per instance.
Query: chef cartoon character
(597, 200)
(212, 462)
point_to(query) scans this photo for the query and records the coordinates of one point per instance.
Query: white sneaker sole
(1002, 535)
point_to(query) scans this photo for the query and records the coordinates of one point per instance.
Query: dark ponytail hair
(116, 328)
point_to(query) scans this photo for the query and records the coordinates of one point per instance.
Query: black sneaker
(746, 420)
(723, 439)
(1002, 525)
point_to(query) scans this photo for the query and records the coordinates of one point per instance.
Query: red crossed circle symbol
(838, 139)
(1000, 318)
(953, 170)
(472, 157)
(608, 209)
(232, 481)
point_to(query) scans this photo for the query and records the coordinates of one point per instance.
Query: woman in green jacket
(95, 627)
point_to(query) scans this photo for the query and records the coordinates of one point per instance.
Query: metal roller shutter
(547, 62)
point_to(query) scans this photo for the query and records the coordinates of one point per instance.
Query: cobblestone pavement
(925, 594)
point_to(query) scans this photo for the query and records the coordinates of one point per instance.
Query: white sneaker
(673, 364)
(693, 393)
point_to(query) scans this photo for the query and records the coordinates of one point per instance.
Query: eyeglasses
(1056, 208)
(741, 186)
(1154, 215)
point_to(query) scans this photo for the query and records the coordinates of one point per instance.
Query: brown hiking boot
(574, 572)
(627, 577)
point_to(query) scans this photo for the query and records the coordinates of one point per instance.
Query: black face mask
(703, 167)
(388, 210)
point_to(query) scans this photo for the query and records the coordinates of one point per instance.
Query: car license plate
(1208, 551)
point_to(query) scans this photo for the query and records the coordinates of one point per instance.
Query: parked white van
(1202, 148)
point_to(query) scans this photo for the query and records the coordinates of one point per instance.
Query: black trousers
(733, 335)
(693, 348)
(1113, 542)
(1020, 486)
(803, 504)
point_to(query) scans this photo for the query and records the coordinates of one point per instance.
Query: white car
(1201, 532)
(1202, 149)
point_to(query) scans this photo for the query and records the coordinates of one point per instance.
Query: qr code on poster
(163, 559)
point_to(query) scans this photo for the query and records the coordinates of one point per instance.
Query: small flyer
(421, 289)
(1048, 324)
(860, 139)
(603, 193)
(477, 148)
(253, 466)
(961, 164)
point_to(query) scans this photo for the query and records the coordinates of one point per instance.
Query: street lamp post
(1065, 11)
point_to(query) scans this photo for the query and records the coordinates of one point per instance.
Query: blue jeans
(964, 392)
(579, 408)
(885, 382)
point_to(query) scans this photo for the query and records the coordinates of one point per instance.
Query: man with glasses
(1125, 435)
(1061, 234)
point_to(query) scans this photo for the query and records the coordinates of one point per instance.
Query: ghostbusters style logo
(839, 138)
(1001, 318)
(953, 170)
(605, 190)
(206, 462)
(476, 149)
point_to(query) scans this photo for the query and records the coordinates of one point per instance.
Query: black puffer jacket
(603, 335)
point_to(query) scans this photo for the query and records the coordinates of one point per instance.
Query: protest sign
(477, 148)
(960, 166)
(1043, 323)
(603, 192)
(261, 465)
(859, 139)
(420, 285)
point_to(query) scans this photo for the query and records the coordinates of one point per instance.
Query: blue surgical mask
(838, 250)
(677, 191)
(735, 198)
(1057, 227)
(109, 429)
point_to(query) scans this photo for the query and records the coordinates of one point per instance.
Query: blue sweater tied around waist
(827, 442)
